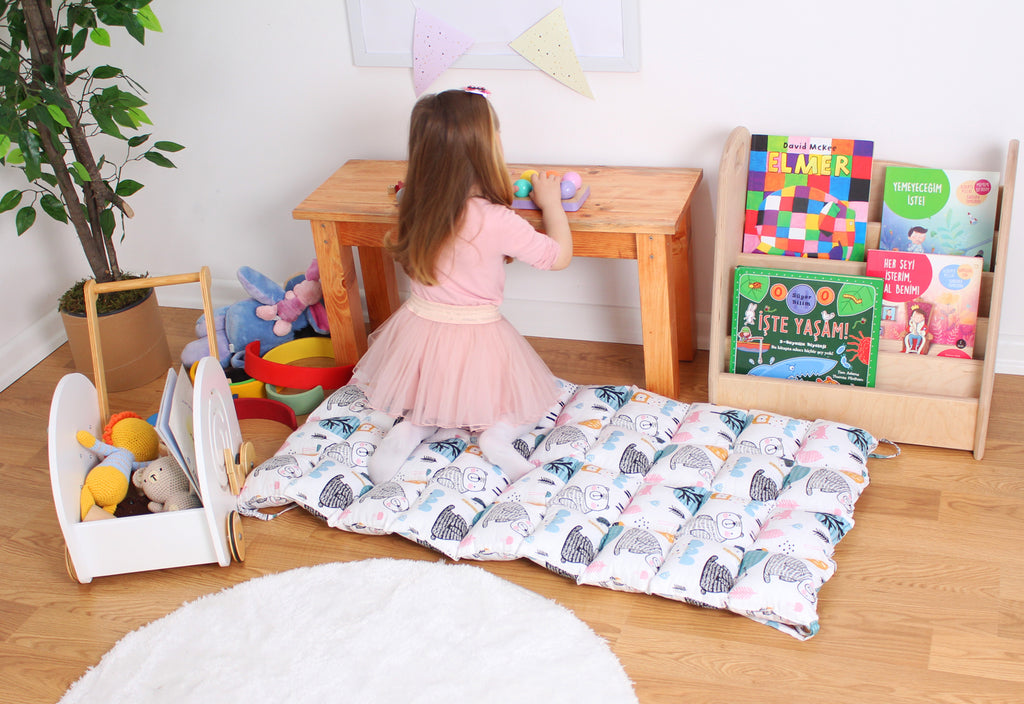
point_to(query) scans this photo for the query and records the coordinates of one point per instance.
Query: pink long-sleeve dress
(447, 357)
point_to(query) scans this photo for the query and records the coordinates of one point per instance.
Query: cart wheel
(69, 565)
(236, 538)
(246, 460)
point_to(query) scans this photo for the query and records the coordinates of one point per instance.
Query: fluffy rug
(373, 631)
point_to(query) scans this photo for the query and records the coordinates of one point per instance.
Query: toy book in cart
(939, 211)
(808, 196)
(805, 325)
(929, 302)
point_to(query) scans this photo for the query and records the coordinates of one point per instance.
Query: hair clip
(479, 90)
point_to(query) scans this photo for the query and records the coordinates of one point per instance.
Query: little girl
(448, 358)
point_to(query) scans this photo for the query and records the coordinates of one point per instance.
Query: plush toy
(271, 316)
(131, 443)
(303, 295)
(164, 483)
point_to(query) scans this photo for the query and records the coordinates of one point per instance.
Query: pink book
(929, 302)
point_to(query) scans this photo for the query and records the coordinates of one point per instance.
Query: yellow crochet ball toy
(129, 431)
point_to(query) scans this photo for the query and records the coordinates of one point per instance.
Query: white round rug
(374, 631)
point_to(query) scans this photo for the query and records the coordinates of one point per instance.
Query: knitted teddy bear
(164, 483)
(128, 443)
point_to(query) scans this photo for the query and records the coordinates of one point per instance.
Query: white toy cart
(203, 535)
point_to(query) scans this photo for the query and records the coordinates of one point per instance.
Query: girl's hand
(547, 194)
(547, 190)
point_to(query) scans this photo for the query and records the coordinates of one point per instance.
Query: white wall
(266, 98)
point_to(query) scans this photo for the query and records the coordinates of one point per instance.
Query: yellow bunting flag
(547, 46)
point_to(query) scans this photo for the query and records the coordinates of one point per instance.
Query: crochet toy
(128, 443)
(164, 483)
(270, 316)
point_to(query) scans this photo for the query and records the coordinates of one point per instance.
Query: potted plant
(74, 130)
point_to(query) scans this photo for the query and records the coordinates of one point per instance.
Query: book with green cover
(939, 211)
(805, 325)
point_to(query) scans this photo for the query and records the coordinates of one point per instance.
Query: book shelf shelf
(926, 400)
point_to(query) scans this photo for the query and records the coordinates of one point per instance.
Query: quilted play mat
(717, 507)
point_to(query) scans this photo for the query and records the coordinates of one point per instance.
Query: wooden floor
(927, 605)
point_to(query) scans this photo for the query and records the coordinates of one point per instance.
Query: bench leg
(379, 283)
(658, 317)
(340, 283)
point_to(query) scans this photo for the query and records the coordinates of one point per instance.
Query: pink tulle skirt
(454, 375)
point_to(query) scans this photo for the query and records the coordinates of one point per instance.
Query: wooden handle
(92, 291)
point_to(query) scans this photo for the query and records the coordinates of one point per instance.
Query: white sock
(395, 449)
(496, 444)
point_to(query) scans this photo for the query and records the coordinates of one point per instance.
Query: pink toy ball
(574, 178)
(568, 189)
(523, 188)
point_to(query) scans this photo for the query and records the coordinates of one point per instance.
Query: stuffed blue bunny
(271, 316)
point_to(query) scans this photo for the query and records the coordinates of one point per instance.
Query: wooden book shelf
(917, 400)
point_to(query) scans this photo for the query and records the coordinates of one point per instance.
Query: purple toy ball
(574, 178)
(523, 188)
(568, 189)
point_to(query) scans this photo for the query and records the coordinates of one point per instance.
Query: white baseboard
(1010, 357)
(30, 347)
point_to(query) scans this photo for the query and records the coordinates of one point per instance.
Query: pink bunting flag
(435, 47)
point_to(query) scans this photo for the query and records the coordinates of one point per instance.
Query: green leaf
(15, 157)
(135, 29)
(127, 187)
(148, 19)
(58, 115)
(25, 219)
(753, 287)
(854, 299)
(10, 200)
(139, 116)
(80, 169)
(72, 77)
(107, 222)
(81, 16)
(78, 43)
(159, 159)
(5, 144)
(138, 140)
(30, 149)
(106, 72)
(123, 118)
(106, 124)
(100, 36)
(128, 100)
(168, 146)
(53, 207)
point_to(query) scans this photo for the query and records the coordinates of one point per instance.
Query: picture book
(939, 211)
(808, 196)
(805, 325)
(929, 302)
(174, 423)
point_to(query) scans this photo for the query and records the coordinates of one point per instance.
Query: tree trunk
(42, 30)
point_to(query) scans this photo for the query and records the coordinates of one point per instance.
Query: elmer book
(929, 302)
(808, 196)
(805, 325)
(939, 211)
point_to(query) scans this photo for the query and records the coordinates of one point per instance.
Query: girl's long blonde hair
(454, 151)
